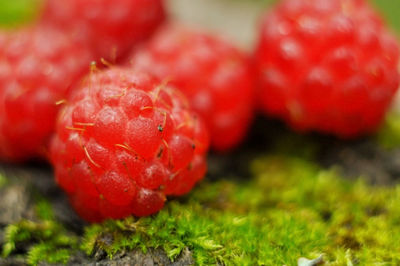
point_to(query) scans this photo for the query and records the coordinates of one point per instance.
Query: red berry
(213, 74)
(327, 65)
(121, 145)
(112, 26)
(38, 66)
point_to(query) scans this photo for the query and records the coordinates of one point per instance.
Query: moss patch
(289, 208)
(44, 240)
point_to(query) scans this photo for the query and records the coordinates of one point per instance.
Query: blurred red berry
(213, 74)
(38, 67)
(327, 65)
(112, 26)
(125, 141)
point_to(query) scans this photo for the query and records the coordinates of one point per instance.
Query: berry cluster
(213, 74)
(40, 65)
(127, 137)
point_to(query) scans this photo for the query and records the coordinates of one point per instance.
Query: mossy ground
(290, 208)
(283, 205)
(286, 207)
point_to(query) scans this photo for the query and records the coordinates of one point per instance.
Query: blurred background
(233, 18)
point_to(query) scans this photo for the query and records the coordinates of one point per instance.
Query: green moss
(47, 241)
(49, 253)
(291, 209)
(287, 209)
(44, 240)
(44, 209)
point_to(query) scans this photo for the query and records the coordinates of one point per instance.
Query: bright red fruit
(327, 65)
(124, 142)
(213, 74)
(38, 66)
(112, 26)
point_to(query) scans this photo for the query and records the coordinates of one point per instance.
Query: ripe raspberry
(124, 142)
(112, 26)
(214, 76)
(38, 66)
(327, 65)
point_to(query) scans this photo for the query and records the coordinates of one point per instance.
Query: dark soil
(353, 158)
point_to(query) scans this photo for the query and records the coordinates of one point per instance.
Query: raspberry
(124, 142)
(213, 74)
(327, 65)
(112, 26)
(38, 66)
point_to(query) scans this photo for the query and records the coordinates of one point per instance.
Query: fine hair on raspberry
(124, 142)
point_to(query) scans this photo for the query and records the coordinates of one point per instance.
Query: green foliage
(16, 12)
(390, 9)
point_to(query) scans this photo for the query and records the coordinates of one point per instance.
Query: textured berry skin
(38, 66)
(213, 74)
(327, 65)
(124, 142)
(112, 26)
